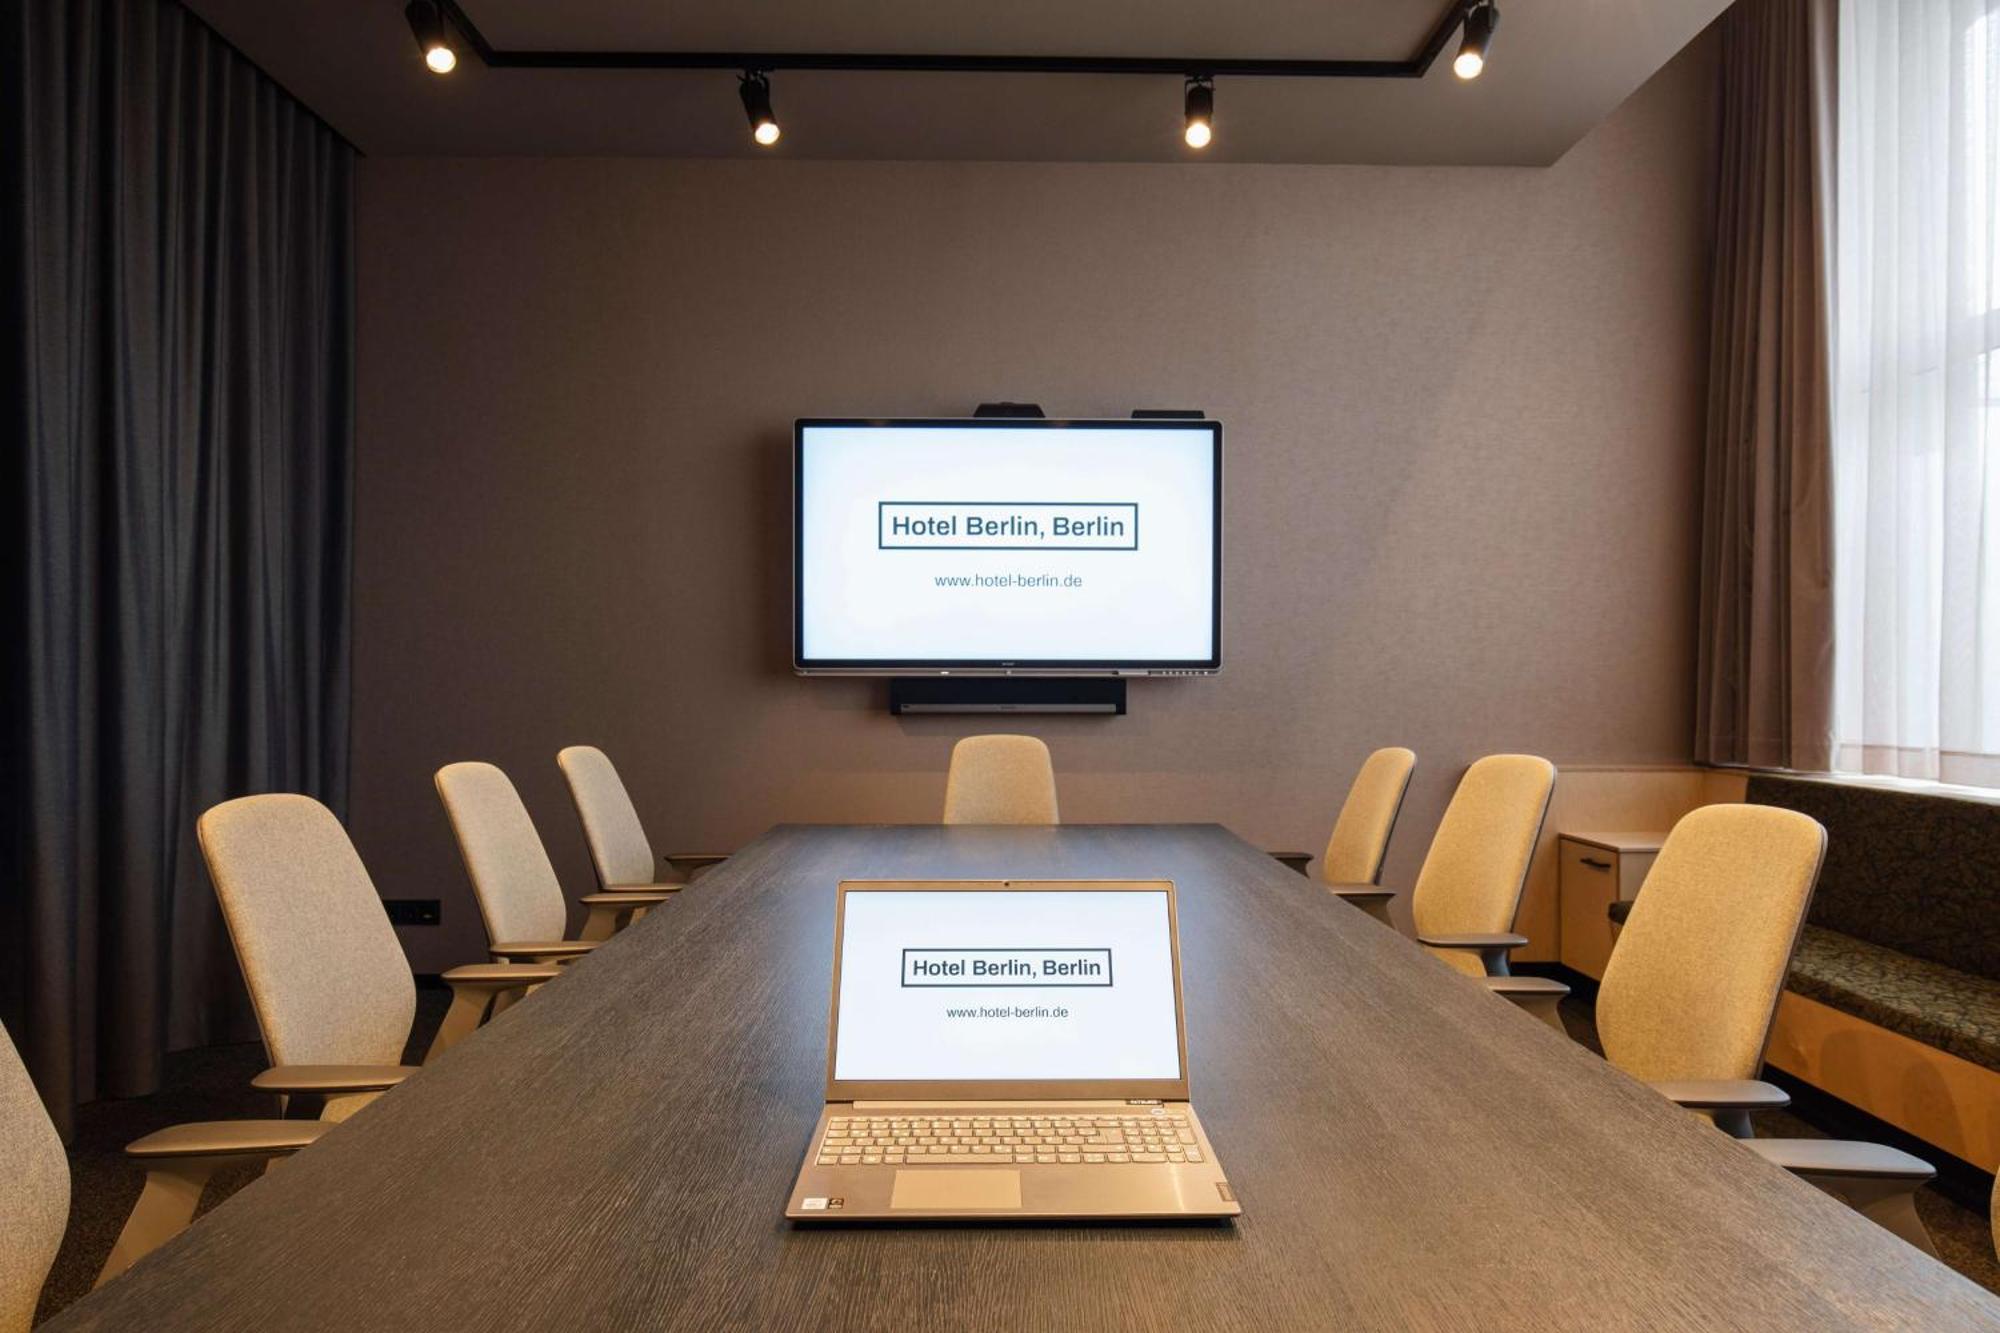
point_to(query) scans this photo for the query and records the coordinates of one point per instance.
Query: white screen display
(973, 985)
(1006, 545)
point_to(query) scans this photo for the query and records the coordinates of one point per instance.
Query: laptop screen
(986, 984)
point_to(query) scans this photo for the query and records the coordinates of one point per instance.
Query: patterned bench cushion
(1929, 1002)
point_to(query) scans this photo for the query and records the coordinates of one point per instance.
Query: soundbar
(1006, 694)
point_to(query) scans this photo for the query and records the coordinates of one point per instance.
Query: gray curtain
(177, 387)
(1764, 675)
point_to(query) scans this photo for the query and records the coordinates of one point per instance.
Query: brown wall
(1462, 410)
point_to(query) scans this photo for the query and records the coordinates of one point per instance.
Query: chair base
(478, 988)
(1540, 997)
(1890, 1204)
(167, 1205)
(1877, 1181)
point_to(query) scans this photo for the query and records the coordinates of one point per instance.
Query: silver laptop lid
(990, 990)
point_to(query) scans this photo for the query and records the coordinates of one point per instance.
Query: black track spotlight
(1479, 25)
(433, 36)
(1199, 104)
(755, 89)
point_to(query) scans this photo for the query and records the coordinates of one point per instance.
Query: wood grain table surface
(1411, 1152)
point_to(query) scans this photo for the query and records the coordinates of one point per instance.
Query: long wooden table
(1410, 1151)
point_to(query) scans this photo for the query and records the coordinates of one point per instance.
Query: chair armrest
(1723, 1094)
(1502, 939)
(1370, 898)
(540, 949)
(228, 1138)
(1360, 893)
(1492, 947)
(326, 1080)
(626, 898)
(499, 976)
(1521, 988)
(622, 890)
(1727, 1101)
(1293, 860)
(1841, 1157)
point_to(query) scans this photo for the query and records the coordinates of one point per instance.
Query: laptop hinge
(1038, 1101)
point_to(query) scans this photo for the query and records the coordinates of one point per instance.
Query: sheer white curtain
(1916, 416)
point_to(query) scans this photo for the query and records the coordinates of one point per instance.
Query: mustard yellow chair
(34, 1201)
(1693, 983)
(1469, 888)
(1000, 780)
(1352, 865)
(620, 852)
(327, 977)
(520, 899)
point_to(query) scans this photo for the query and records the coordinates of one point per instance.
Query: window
(1916, 368)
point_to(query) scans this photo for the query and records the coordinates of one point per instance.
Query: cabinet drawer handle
(1596, 864)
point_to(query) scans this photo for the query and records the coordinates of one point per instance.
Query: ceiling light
(1479, 25)
(433, 37)
(755, 90)
(1199, 104)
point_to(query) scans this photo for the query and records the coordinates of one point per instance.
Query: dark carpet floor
(214, 1084)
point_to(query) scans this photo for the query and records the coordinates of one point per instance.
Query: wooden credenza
(1594, 871)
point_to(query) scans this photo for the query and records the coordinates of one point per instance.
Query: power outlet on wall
(411, 911)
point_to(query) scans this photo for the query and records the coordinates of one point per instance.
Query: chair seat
(324, 1079)
(228, 1138)
(542, 948)
(1842, 1157)
(1929, 1002)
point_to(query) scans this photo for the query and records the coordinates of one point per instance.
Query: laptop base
(1006, 1190)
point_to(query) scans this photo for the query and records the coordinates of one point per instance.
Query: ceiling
(1558, 67)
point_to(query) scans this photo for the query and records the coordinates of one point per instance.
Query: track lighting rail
(1413, 68)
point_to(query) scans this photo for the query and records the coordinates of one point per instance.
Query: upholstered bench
(1936, 1005)
(1893, 1003)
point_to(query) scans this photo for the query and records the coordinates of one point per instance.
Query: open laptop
(1008, 1049)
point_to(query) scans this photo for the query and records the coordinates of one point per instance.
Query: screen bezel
(850, 1090)
(997, 666)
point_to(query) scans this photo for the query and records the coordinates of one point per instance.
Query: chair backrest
(1000, 780)
(520, 898)
(618, 846)
(1367, 817)
(327, 976)
(34, 1199)
(1472, 876)
(1694, 979)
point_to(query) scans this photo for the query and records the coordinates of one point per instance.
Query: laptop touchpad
(961, 1188)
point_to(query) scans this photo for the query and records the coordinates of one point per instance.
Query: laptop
(1007, 1049)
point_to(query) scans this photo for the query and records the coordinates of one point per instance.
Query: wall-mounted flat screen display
(1003, 545)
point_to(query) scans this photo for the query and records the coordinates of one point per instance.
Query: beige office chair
(1000, 780)
(1687, 999)
(34, 1200)
(520, 899)
(327, 977)
(619, 849)
(1469, 888)
(1360, 840)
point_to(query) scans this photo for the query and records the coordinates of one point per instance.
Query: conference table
(1410, 1151)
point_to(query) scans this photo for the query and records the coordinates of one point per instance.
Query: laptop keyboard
(984, 1140)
